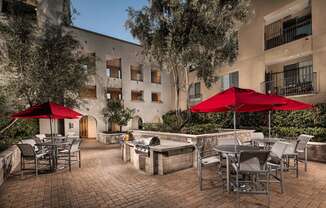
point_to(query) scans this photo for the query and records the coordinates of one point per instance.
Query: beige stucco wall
(130, 54)
(253, 59)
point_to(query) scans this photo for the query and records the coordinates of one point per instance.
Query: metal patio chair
(205, 158)
(276, 162)
(71, 154)
(300, 147)
(30, 156)
(252, 174)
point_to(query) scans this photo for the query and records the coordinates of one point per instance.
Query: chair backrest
(253, 160)
(26, 150)
(228, 141)
(279, 148)
(75, 145)
(302, 141)
(37, 140)
(31, 142)
(68, 134)
(257, 135)
(41, 136)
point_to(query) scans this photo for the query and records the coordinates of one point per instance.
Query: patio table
(228, 150)
(268, 142)
(54, 151)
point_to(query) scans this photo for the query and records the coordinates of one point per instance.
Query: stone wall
(317, 151)
(9, 161)
(105, 138)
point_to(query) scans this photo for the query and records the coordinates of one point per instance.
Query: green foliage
(115, 112)
(196, 34)
(284, 123)
(21, 129)
(205, 128)
(41, 64)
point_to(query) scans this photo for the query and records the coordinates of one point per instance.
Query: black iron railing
(294, 82)
(276, 35)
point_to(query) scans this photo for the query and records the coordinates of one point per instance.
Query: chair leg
(281, 179)
(200, 177)
(297, 165)
(69, 161)
(79, 159)
(238, 190)
(305, 159)
(268, 191)
(36, 167)
(22, 166)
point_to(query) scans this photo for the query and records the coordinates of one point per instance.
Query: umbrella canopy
(291, 105)
(47, 110)
(238, 100)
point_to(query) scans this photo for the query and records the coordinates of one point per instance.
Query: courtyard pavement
(105, 181)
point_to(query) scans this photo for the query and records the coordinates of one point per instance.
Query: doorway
(87, 127)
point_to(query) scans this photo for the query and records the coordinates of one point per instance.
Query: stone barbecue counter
(169, 156)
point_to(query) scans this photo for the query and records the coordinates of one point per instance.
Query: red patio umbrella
(48, 110)
(238, 100)
(291, 105)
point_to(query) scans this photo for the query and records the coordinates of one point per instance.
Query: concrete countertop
(167, 145)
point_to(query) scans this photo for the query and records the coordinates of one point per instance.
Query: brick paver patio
(105, 181)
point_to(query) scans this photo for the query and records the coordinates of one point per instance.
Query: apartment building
(121, 73)
(282, 50)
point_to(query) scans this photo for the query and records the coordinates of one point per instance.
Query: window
(298, 73)
(156, 97)
(230, 80)
(156, 76)
(114, 94)
(136, 72)
(137, 96)
(113, 68)
(91, 66)
(88, 92)
(194, 90)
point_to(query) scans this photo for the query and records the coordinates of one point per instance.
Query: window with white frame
(230, 80)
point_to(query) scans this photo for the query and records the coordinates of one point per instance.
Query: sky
(105, 16)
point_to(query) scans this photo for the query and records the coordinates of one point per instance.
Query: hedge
(284, 123)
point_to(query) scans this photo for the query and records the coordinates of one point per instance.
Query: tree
(115, 112)
(41, 64)
(184, 35)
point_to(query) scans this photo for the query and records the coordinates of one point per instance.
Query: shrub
(21, 129)
(205, 128)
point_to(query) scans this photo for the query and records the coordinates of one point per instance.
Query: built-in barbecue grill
(142, 145)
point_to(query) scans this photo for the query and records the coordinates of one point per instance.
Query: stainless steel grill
(142, 145)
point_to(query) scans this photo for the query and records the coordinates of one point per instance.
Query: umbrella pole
(51, 130)
(234, 130)
(269, 124)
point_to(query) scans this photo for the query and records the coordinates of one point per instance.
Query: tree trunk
(12, 122)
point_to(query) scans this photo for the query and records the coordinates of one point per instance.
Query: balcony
(282, 32)
(291, 83)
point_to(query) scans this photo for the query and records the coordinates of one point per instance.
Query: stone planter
(106, 138)
(317, 151)
(9, 161)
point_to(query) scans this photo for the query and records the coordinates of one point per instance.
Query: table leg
(227, 174)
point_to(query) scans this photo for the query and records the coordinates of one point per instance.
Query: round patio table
(228, 150)
(53, 146)
(268, 142)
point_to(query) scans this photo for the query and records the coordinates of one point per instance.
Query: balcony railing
(279, 35)
(290, 85)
